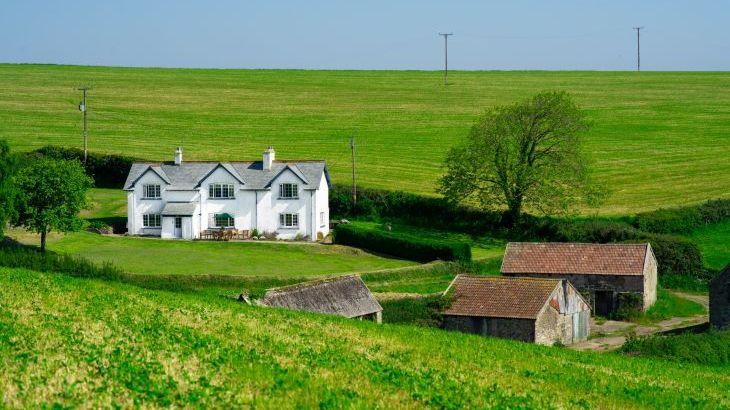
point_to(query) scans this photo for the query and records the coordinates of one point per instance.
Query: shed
(720, 299)
(610, 276)
(543, 311)
(346, 296)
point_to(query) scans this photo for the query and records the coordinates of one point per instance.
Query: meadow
(77, 342)
(657, 138)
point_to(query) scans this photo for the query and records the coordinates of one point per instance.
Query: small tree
(6, 187)
(526, 154)
(49, 195)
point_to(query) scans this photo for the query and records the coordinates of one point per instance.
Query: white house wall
(239, 206)
(270, 206)
(137, 206)
(322, 205)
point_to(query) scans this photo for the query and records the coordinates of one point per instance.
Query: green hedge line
(683, 220)
(709, 348)
(108, 171)
(407, 247)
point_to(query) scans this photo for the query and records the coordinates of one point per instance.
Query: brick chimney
(269, 156)
(178, 156)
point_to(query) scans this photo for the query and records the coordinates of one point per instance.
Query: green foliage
(709, 348)
(7, 192)
(526, 154)
(667, 306)
(50, 194)
(684, 220)
(107, 170)
(676, 255)
(29, 258)
(404, 246)
(422, 311)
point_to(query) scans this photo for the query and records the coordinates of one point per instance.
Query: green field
(714, 241)
(164, 257)
(658, 138)
(75, 342)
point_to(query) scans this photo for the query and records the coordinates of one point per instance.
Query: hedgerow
(407, 247)
(107, 170)
(683, 220)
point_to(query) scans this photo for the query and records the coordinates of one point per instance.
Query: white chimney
(269, 155)
(178, 156)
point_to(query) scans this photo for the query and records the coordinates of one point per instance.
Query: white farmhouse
(183, 199)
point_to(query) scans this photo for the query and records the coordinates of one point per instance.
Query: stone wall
(720, 300)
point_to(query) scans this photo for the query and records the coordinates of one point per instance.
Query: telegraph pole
(354, 186)
(446, 55)
(82, 108)
(638, 48)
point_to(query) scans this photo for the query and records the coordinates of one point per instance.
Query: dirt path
(611, 334)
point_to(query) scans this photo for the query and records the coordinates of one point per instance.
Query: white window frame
(152, 221)
(288, 191)
(321, 219)
(215, 219)
(156, 191)
(288, 221)
(220, 190)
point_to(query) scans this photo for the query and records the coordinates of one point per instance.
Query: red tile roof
(575, 258)
(498, 296)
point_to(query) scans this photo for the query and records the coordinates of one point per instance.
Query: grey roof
(178, 209)
(343, 296)
(188, 175)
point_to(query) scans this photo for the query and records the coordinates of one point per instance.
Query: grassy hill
(657, 140)
(77, 342)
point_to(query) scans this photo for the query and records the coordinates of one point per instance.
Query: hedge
(107, 170)
(683, 220)
(407, 247)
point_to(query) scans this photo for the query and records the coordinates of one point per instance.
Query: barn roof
(343, 296)
(251, 174)
(498, 296)
(575, 258)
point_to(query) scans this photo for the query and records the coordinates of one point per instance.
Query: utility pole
(354, 186)
(446, 55)
(638, 48)
(83, 108)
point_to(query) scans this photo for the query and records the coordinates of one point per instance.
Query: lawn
(655, 142)
(167, 257)
(105, 203)
(714, 241)
(68, 342)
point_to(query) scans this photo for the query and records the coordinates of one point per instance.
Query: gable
(288, 174)
(220, 173)
(146, 174)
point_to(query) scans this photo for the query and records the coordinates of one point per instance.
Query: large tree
(523, 155)
(49, 195)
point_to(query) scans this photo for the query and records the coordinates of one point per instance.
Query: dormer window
(220, 191)
(289, 191)
(151, 191)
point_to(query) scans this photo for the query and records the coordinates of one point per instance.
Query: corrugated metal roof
(343, 296)
(178, 209)
(498, 296)
(188, 175)
(574, 258)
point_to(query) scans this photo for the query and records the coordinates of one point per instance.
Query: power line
(446, 55)
(83, 109)
(638, 47)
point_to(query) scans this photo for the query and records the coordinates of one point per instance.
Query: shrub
(596, 231)
(407, 247)
(25, 257)
(683, 220)
(677, 255)
(107, 170)
(710, 348)
(99, 227)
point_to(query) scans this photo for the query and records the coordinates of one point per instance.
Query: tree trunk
(43, 240)
(514, 210)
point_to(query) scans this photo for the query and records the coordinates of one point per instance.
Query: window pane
(210, 190)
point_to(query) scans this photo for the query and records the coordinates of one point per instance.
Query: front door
(178, 227)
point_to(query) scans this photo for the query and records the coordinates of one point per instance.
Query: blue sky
(488, 35)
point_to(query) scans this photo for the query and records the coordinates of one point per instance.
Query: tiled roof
(574, 258)
(343, 296)
(188, 175)
(497, 296)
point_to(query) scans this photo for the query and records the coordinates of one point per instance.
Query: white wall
(270, 206)
(136, 206)
(241, 206)
(322, 205)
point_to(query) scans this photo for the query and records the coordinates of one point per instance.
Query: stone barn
(720, 300)
(346, 296)
(610, 276)
(543, 311)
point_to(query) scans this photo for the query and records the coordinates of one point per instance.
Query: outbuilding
(720, 300)
(346, 296)
(610, 276)
(544, 311)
